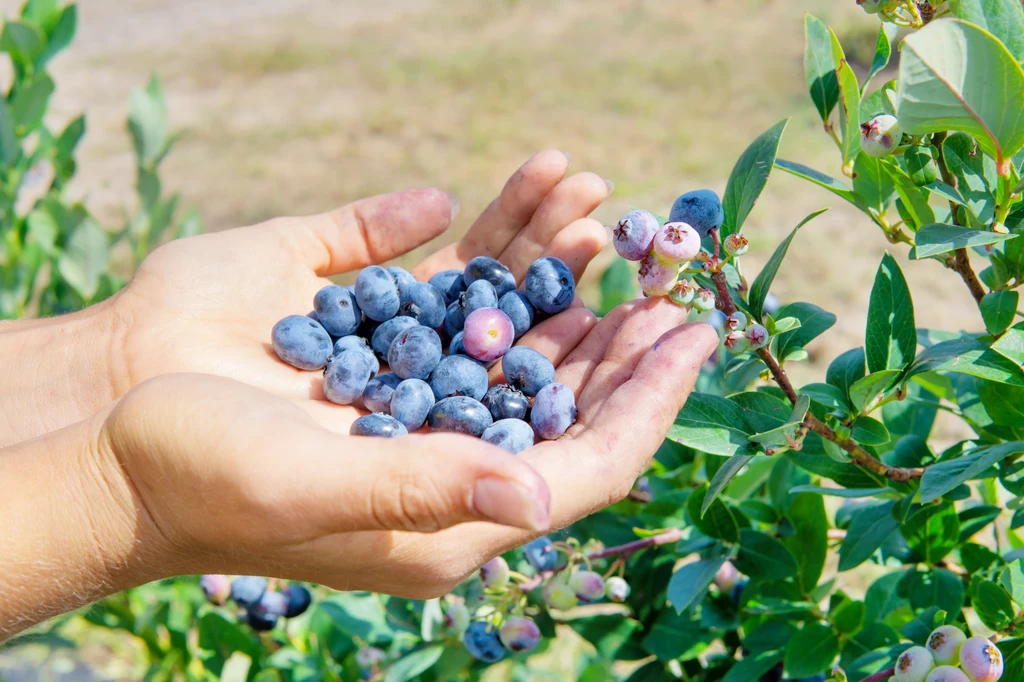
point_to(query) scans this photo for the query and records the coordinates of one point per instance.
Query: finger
(555, 337)
(362, 233)
(579, 364)
(509, 213)
(419, 483)
(573, 198)
(578, 244)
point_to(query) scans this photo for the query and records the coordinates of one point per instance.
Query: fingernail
(510, 504)
(568, 158)
(610, 185)
(453, 205)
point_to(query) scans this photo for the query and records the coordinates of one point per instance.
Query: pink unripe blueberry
(703, 300)
(369, 657)
(682, 293)
(616, 589)
(657, 278)
(216, 587)
(588, 585)
(519, 633)
(944, 644)
(757, 336)
(947, 673)
(457, 617)
(558, 595)
(495, 572)
(880, 136)
(736, 322)
(736, 342)
(726, 577)
(736, 244)
(913, 665)
(487, 334)
(633, 235)
(676, 243)
(981, 660)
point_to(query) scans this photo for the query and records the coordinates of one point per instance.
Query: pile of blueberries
(261, 605)
(475, 314)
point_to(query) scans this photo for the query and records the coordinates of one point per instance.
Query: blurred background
(291, 107)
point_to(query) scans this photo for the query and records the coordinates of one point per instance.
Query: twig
(960, 263)
(880, 676)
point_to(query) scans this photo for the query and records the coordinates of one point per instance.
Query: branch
(880, 676)
(960, 263)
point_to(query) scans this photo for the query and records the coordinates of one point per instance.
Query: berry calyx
(703, 300)
(682, 293)
(757, 336)
(736, 322)
(676, 243)
(736, 245)
(736, 342)
(981, 660)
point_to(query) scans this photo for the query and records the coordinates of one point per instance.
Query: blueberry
(505, 402)
(489, 269)
(913, 665)
(378, 392)
(656, 277)
(271, 604)
(402, 277)
(487, 334)
(261, 622)
(495, 573)
(479, 294)
(701, 209)
(943, 673)
(457, 617)
(677, 243)
(455, 289)
(541, 554)
(456, 346)
(616, 589)
(415, 353)
(360, 345)
(377, 293)
(460, 414)
(385, 334)
(482, 642)
(312, 315)
(981, 660)
(411, 403)
(301, 342)
(519, 633)
(517, 306)
(880, 136)
(550, 285)
(454, 319)
(378, 425)
(443, 282)
(299, 600)
(527, 370)
(634, 233)
(246, 590)
(727, 576)
(736, 593)
(512, 435)
(944, 644)
(216, 588)
(558, 595)
(337, 310)
(424, 303)
(588, 585)
(459, 375)
(346, 376)
(367, 327)
(553, 411)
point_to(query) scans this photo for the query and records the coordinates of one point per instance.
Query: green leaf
(711, 424)
(849, 105)
(883, 50)
(993, 605)
(819, 69)
(763, 282)
(845, 370)
(870, 527)
(840, 492)
(85, 259)
(147, 124)
(868, 431)
(881, 101)
(938, 238)
(1011, 345)
(811, 651)
(618, 285)
(61, 35)
(828, 395)
(1012, 580)
(932, 532)
(753, 666)
(890, 341)
(23, 41)
(690, 581)
(1002, 18)
(761, 411)
(359, 614)
(919, 160)
(784, 435)
(813, 323)
(716, 522)
(217, 633)
(722, 477)
(9, 146)
(968, 355)
(872, 180)
(975, 175)
(29, 105)
(935, 588)
(411, 665)
(956, 76)
(809, 541)
(998, 308)
(914, 198)
(975, 519)
(882, 598)
(763, 557)
(821, 180)
(848, 617)
(865, 390)
(676, 636)
(748, 178)
(940, 478)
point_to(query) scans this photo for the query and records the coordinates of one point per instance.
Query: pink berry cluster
(950, 656)
(742, 334)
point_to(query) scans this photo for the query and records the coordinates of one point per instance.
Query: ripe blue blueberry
(634, 234)
(454, 319)
(377, 425)
(312, 315)
(519, 633)
(377, 293)
(346, 376)
(216, 588)
(527, 369)
(299, 600)
(360, 345)
(459, 375)
(491, 270)
(415, 353)
(443, 282)
(479, 294)
(301, 342)
(512, 435)
(246, 590)
(385, 334)
(456, 346)
(482, 642)
(337, 310)
(736, 593)
(517, 306)
(553, 411)
(411, 403)
(460, 414)
(403, 279)
(378, 392)
(505, 402)
(259, 621)
(550, 285)
(701, 209)
(424, 303)
(541, 554)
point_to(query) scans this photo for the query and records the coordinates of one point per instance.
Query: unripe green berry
(703, 300)
(944, 644)
(682, 293)
(947, 673)
(880, 136)
(757, 336)
(736, 245)
(736, 342)
(588, 585)
(616, 589)
(457, 617)
(558, 595)
(913, 665)
(495, 572)
(736, 322)
(920, 161)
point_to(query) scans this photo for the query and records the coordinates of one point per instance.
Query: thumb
(364, 232)
(426, 483)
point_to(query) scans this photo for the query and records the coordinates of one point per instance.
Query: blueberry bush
(783, 532)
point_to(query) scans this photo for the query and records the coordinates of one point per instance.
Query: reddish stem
(880, 676)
